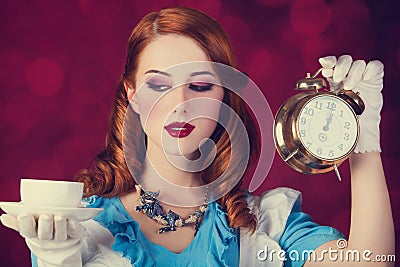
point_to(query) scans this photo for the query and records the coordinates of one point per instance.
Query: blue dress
(216, 244)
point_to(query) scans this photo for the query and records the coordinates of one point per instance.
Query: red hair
(110, 175)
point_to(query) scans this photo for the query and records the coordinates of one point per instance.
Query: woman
(152, 140)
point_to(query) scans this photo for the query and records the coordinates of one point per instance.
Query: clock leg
(291, 155)
(337, 172)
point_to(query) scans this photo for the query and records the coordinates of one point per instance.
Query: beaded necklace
(150, 205)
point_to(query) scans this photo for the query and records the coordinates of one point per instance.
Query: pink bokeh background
(60, 62)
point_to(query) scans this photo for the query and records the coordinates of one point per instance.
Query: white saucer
(80, 214)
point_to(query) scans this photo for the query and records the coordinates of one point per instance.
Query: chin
(175, 151)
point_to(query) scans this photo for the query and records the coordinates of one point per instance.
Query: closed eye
(158, 87)
(200, 87)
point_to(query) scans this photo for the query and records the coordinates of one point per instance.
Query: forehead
(169, 50)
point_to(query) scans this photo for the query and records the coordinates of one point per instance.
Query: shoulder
(275, 197)
(273, 208)
(112, 210)
(95, 201)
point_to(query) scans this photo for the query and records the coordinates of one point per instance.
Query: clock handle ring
(318, 72)
(311, 82)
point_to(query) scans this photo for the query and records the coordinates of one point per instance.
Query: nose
(179, 101)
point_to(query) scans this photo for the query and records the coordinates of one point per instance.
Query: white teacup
(51, 193)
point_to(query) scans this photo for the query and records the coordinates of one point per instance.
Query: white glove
(56, 242)
(367, 79)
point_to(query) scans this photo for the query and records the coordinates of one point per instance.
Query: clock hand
(328, 121)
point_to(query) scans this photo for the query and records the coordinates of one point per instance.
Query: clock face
(327, 127)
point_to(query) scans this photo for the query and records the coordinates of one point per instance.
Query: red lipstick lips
(179, 129)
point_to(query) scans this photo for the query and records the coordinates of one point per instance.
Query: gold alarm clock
(316, 130)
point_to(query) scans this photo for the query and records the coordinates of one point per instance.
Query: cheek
(214, 109)
(152, 113)
(206, 116)
(206, 108)
(206, 127)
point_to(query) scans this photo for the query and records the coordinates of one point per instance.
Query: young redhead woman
(236, 229)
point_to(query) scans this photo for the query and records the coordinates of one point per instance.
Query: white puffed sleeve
(272, 210)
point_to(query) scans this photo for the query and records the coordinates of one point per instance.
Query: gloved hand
(56, 242)
(367, 79)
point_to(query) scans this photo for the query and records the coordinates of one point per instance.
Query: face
(176, 99)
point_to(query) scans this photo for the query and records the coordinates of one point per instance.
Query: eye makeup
(201, 81)
(158, 87)
(159, 83)
(200, 86)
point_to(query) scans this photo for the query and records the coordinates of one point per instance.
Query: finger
(373, 69)
(26, 225)
(43, 246)
(334, 86)
(375, 83)
(60, 228)
(342, 68)
(9, 221)
(327, 62)
(327, 73)
(45, 227)
(356, 71)
(74, 229)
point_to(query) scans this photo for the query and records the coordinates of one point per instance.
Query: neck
(160, 173)
(171, 168)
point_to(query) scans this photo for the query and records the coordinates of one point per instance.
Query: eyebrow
(159, 72)
(197, 73)
(201, 73)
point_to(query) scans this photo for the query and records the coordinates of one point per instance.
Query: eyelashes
(197, 87)
(158, 87)
(200, 87)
